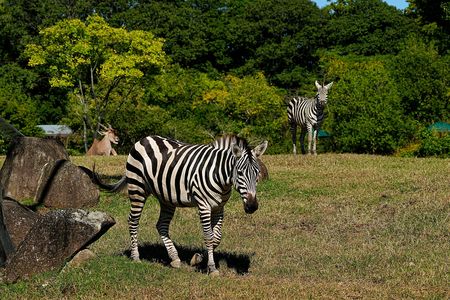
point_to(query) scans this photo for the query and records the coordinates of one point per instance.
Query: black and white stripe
(308, 114)
(184, 175)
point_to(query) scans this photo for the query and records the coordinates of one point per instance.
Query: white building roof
(56, 130)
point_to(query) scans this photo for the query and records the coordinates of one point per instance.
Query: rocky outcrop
(39, 169)
(32, 242)
(64, 185)
(54, 239)
(26, 158)
(18, 220)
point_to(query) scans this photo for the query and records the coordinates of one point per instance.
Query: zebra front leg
(314, 142)
(216, 220)
(205, 218)
(310, 134)
(294, 137)
(165, 216)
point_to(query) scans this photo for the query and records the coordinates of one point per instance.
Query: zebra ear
(329, 85)
(260, 149)
(318, 85)
(237, 152)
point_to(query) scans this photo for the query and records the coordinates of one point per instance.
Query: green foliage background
(229, 67)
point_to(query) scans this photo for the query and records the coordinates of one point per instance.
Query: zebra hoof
(214, 273)
(196, 259)
(176, 264)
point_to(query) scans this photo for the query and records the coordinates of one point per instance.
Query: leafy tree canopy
(366, 111)
(96, 61)
(366, 27)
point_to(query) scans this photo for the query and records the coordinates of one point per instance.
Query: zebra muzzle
(251, 204)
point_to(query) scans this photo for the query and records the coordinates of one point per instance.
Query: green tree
(366, 27)
(432, 11)
(16, 105)
(101, 64)
(193, 30)
(196, 107)
(175, 91)
(422, 79)
(248, 106)
(434, 16)
(239, 37)
(279, 38)
(366, 112)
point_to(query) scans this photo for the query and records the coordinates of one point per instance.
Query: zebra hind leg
(133, 223)
(302, 140)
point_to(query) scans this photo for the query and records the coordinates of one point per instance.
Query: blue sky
(400, 4)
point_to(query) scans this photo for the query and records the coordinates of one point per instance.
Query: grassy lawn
(335, 226)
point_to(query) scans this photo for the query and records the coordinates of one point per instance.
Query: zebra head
(245, 173)
(322, 93)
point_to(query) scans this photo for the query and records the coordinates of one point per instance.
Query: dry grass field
(335, 226)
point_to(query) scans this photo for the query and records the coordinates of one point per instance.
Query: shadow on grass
(158, 253)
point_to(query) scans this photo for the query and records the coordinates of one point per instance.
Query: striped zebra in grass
(308, 113)
(183, 175)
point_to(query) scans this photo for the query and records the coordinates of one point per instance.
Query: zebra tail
(112, 188)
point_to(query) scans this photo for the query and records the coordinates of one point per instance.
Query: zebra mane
(226, 141)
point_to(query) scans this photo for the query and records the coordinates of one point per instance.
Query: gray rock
(54, 239)
(64, 185)
(24, 162)
(80, 258)
(18, 220)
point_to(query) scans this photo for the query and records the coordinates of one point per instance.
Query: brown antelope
(103, 146)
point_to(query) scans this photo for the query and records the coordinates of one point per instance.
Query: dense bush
(422, 79)
(434, 144)
(16, 105)
(366, 112)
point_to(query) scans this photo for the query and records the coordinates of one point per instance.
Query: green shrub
(366, 113)
(434, 144)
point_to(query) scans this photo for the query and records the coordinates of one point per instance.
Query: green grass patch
(331, 226)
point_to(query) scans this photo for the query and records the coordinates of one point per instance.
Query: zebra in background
(308, 113)
(184, 175)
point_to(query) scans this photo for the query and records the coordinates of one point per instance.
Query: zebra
(186, 175)
(308, 113)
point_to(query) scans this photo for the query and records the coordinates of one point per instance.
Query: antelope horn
(103, 126)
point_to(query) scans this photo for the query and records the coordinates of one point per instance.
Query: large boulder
(18, 220)
(65, 185)
(24, 162)
(54, 239)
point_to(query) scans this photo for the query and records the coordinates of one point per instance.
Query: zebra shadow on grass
(152, 252)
